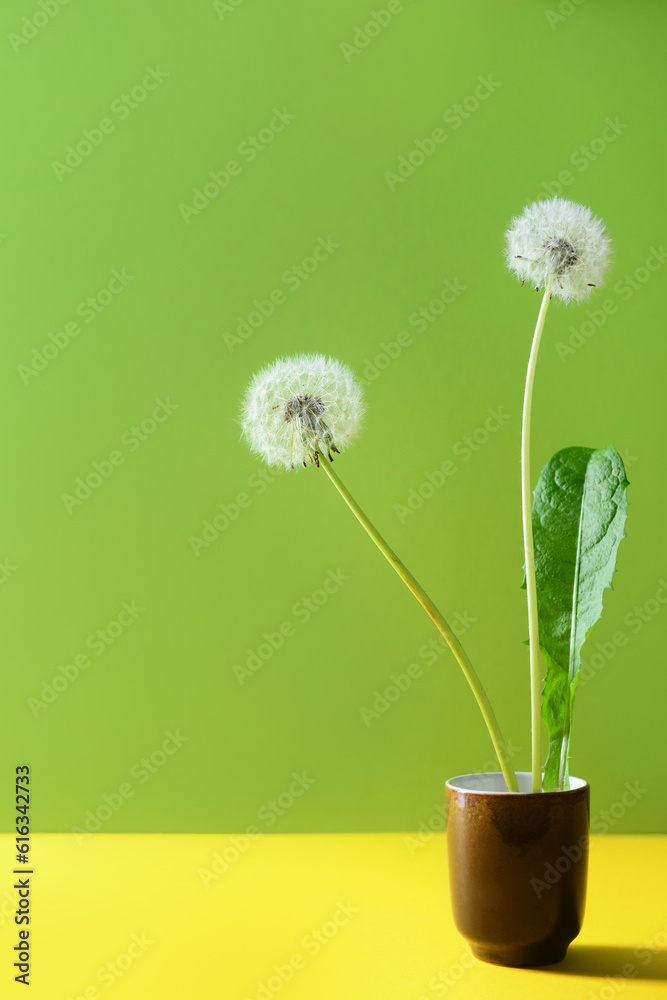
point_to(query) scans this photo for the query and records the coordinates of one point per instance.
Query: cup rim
(457, 784)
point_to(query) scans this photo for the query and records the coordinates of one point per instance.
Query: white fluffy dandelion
(299, 408)
(563, 248)
(559, 246)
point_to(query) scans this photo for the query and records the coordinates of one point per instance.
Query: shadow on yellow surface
(305, 917)
(617, 961)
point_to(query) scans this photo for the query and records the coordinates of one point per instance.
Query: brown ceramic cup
(517, 867)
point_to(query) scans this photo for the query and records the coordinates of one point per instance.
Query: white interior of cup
(494, 782)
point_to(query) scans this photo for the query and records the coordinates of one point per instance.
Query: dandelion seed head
(299, 408)
(559, 246)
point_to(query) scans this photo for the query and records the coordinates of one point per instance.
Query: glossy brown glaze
(517, 868)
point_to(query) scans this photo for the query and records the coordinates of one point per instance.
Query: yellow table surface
(313, 916)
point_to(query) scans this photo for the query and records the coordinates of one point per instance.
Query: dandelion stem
(529, 552)
(444, 628)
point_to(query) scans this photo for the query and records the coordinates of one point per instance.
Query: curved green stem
(529, 552)
(444, 628)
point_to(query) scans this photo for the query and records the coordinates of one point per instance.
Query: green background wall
(164, 338)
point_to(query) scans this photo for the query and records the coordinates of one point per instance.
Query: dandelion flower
(559, 246)
(563, 248)
(301, 407)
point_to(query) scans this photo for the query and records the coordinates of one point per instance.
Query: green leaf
(579, 509)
